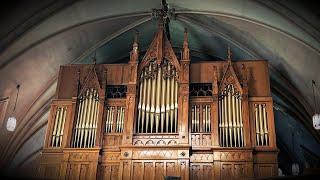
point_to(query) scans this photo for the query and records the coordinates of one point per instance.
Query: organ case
(161, 116)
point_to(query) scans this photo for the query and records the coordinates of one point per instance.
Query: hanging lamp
(12, 121)
(316, 116)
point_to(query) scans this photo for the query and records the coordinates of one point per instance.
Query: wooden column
(214, 109)
(183, 97)
(131, 94)
(245, 109)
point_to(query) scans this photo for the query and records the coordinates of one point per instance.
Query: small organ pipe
(143, 108)
(122, 119)
(80, 121)
(261, 124)
(91, 120)
(163, 105)
(80, 107)
(62, 126)
(237, 140)
(204, 119)
(140, 102)
(241, 124)
(172, 104)
(234, 118)
(176, 106)
(158, 99)
(86, 128)
(94, 117)
(257, 124)
(265, 120)
(95, 121)
(148, 100)
(229, 119)
(152, 105)
(168, 100)
(83, 119)
(192, 119)
(55, 127)
(225, 121)
(222, 120)
(59, 128)
(209, 118)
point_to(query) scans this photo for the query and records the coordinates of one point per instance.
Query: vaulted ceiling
(36, 37)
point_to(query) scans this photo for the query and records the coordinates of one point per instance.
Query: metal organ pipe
(87, 118)
(168, 93)
(163, 95)
(230, 118)
(265, 122)
(157, 115)
(176, 104)
(140, 104)
(158, 101)
(144, 99)
(262, 136)
(58, 127)
(148, 99)
(153, 94)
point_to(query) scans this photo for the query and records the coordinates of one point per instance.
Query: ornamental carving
(201, 158)
(154, 154)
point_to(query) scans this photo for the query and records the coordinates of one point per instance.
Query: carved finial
(94, 60)
(185, 55)
(244, 73)
(185, 40)
(229, 54)
(135, 41)
(134, 52)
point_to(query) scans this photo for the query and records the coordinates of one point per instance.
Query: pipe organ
(160, 115)
(230, 118)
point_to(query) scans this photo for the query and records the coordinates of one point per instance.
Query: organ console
(161, 116)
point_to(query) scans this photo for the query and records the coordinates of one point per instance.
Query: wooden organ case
(161, 117)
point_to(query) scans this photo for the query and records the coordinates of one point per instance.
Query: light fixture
(295, 169)
(316, 116)
(12, 121)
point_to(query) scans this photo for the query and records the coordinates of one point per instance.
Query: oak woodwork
(188, 154)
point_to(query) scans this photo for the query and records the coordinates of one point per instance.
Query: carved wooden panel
(201, 158)
(151, 169)
(155, 140)
(264, 170)
(109, 172)
(201, 139)
(201, 171)
(112, 140)
(234, 171)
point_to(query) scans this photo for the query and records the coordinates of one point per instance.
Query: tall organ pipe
(152, 105)
(172, 103)
(140, 102)
(158, 98)
(163, 95)
(176, 105)
(266, 135)
(144, 99)
(168, 100)
(148, 100)
(62, 126)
